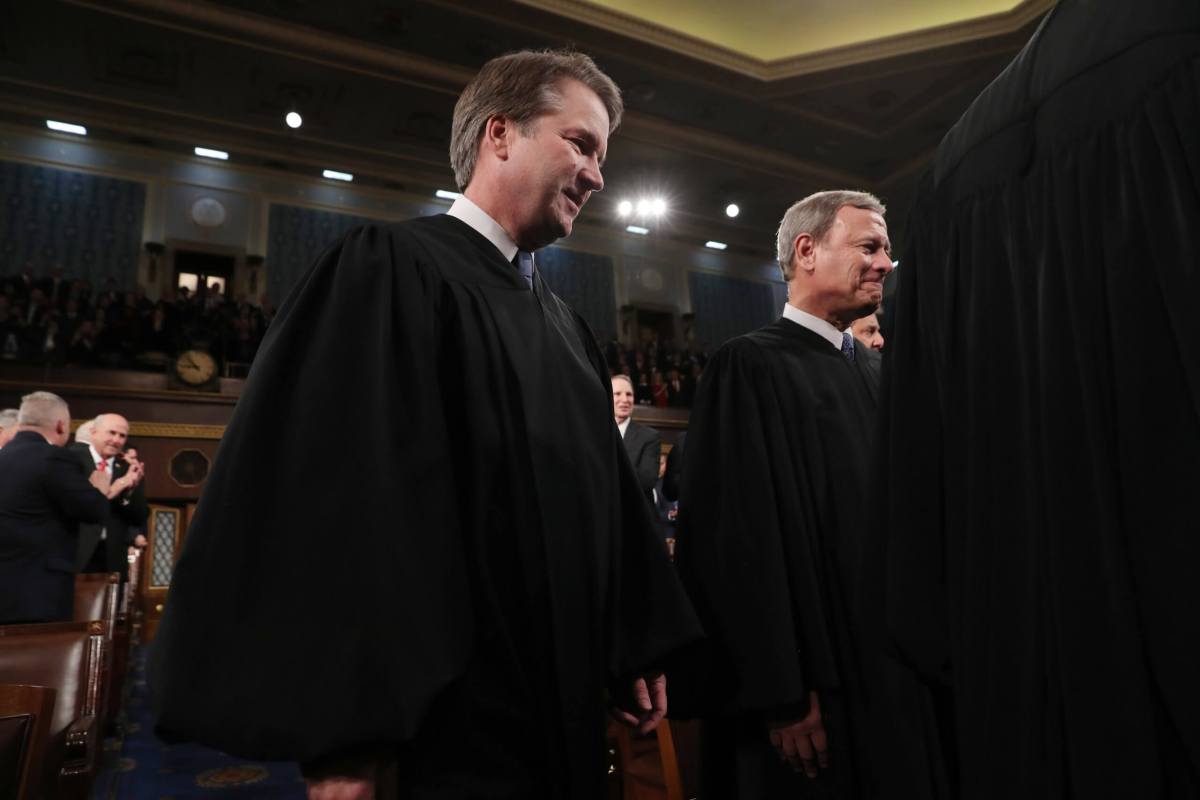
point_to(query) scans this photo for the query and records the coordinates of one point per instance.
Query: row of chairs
(61, 689)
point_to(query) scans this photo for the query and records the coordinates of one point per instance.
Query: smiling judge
(502, 552)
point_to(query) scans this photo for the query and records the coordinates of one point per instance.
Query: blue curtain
(727, 307)
(585, 282)
(90, 226)
(296, 237)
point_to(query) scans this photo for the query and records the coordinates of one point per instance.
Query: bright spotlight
(208, 152)
(334, 175)
(643, 207)
(624, 208)
(293, 119)
(658, 206)
(66, 127)
(716, 245)
(732, 210)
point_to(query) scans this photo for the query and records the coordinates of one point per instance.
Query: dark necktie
(523, 261)
(848, 346)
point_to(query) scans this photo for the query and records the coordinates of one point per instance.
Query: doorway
(203, 274)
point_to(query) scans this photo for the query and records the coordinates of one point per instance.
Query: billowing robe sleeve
(749, 548)
(320, 600)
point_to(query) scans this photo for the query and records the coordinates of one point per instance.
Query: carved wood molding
(167, 430)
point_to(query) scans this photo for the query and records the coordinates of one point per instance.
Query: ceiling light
(338, 176)
(66, 127)
(638, 229)
(895, 263)
(643, 207)
(293, 119)
(207, 153)
(445, 195)
(732, 210)
(658, 206)
(716, 245)
(624, 208)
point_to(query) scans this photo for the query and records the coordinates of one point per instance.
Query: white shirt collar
(624, 426)
(96, 455)
(465, 210)
(814, 324)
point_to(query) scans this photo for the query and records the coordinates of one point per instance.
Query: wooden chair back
(25, 715)
(67, 657)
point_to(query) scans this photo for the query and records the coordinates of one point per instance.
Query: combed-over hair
(815, 215)
(522, 86)
(42, 410)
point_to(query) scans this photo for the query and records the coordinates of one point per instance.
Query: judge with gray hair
(44, 496)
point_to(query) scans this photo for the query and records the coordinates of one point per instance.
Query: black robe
(421, 533)
(773, 547)
(1042, 386)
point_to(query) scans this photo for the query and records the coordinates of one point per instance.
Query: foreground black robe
(1042, 386)
(775, 521)
(421, 535)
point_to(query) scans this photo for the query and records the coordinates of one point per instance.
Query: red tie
(102, 465)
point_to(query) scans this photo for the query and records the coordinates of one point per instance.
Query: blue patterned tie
(524, 264)
(848, 346)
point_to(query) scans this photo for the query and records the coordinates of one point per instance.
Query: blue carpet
(142, 767)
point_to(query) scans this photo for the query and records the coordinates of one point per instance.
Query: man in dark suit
(104, 545)
(43, 498)
(641, 442)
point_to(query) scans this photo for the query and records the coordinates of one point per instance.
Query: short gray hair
(522, 86)
(815, 215)
(8, 418)
(42, 410)
(624, 377)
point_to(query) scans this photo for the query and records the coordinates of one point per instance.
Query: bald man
(8, 425)
(104, 546)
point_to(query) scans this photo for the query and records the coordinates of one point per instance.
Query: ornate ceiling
(710, 121)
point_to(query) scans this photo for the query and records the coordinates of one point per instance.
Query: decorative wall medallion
(207, 212)
(189, 467)
(651, 278)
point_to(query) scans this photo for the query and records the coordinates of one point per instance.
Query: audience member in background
(83, 434)
(775, 515)
(643, 395)
(658, 390)
(505, 569)
(8, 425)
(1042, 408)
(104, 546)
(44, 497)
(642, 442)
(866, 330)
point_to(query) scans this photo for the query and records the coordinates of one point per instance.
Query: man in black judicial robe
(775, 526)
(1042, 387)
(456, 594)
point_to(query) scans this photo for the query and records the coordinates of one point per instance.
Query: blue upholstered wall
(89, 225)
(728, 307)
(585, 282)
(296, 237)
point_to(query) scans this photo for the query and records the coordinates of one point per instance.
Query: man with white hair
(8, 425)
(775, 519)
(642, 442)
(43, 498)
(104, 546)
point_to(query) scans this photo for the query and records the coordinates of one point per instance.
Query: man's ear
(497, 135)
(804, 252)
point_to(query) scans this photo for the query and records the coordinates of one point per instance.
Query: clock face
(195, 367)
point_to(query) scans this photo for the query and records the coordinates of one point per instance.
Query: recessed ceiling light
(732, 210)
(66, 127)
(716, 245)
(337, 176)
(293, 119)
(643, 207)
(658, 206)
(638, 229)
(207, 153)
(624, 208)
(445, 195)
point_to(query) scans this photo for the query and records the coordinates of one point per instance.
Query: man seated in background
(44, 496)
(641, 441)
(8, 425)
